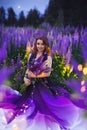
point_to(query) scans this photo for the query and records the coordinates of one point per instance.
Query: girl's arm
(48, 64)
(43, 74)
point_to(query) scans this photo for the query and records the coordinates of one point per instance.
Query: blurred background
(34, 13)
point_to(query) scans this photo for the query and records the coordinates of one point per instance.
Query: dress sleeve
(49, 61)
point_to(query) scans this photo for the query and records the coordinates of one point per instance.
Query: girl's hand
(27, 81)
(31, 74)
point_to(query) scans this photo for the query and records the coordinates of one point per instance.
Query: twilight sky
(25, 5)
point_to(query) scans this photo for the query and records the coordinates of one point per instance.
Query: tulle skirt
(40, 107)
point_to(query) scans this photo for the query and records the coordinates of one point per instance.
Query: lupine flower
(5, 73)
(19, 62)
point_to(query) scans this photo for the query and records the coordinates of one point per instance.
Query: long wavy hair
(46, 43)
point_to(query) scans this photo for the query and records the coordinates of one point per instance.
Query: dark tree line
(33, 18)
(72, 12)
(58, 12)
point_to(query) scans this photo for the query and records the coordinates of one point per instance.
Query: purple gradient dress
(43, 103)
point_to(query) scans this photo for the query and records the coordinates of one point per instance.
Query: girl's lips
(40, 48)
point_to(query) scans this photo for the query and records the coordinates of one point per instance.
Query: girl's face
(40, 45)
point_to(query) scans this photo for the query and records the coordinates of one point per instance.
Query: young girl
(44, 106)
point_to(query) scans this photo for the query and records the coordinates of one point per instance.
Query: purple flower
(64, 44)
(12, 64)
(3, 54)
(84, 53)
(68, 55)
(19, 62)
(19, 77)
(5, 73)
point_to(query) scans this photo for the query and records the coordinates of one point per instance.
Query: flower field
(69, 53)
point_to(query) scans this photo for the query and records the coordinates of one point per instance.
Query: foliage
(11, 17)
(18, 75)
(61, 72)
(33, 18)
(14, 51)
(2, 15)
(21, 21)
(77, 54)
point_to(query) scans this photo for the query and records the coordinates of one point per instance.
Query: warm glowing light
(26, 106)
(21, 110)
(83, 89)
(80, 67)
(82, 82)
(15, 127)
(23, 119)
(85, 70)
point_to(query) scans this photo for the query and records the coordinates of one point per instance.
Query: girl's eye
(40, 43)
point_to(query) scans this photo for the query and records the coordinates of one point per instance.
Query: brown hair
(46, 43)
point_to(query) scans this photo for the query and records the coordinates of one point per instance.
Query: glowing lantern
(85, 70)
(80, 67)
(83, 89)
